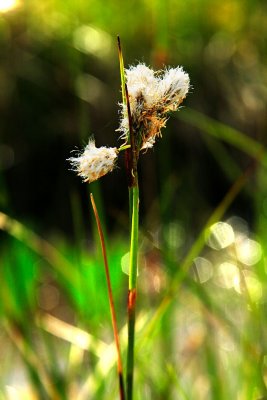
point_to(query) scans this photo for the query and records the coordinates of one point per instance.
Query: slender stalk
(134, 213)
(131, 158)
(132, 290)
(134, 239)
(111, 302)
(121, 71)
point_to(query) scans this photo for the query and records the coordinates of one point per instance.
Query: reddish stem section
(111, 302)
(131, 299)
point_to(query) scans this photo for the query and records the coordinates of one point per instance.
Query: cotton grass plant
(148, 97)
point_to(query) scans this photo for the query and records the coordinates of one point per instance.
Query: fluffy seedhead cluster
(94, 162)
(152, 96)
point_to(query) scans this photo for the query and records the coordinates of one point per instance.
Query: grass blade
(111, 302)
(225, 133)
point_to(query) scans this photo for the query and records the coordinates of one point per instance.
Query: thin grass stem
(111, 301)
(122, 73)
(132, 290)
(134, 213)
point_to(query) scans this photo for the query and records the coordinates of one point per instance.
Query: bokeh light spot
(220, 235)
(7, 5)
(250, 284)
(227, 275)
(248, 251)
(48, 297)
(174, 235)
(204, 269)
(91, 89)
(93, 40)
(239, 225)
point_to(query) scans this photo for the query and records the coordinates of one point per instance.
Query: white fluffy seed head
(170, 85)
(152, 95)
(94, 162)
(174, 84)
(141, 81)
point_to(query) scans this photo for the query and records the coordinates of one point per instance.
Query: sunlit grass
(205, 332)
(200, 322)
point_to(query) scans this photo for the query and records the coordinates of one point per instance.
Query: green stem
(134, 195)
(122, 73)
(134, 238)
(131, 158)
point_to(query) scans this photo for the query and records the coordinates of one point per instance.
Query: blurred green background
(59, 85)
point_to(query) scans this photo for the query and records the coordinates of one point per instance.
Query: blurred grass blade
(40, 246)
(107, 360)
(197, 247)
(172, 373)
(223, 158)
(225, 133)
(71, 334)
(39, 376)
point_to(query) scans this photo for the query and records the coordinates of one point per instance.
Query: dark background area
(59, 80)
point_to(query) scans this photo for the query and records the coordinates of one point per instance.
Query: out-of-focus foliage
(202, 279)
(59, 82)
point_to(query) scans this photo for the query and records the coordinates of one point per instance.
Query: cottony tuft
(94, 162)
(152, 96)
